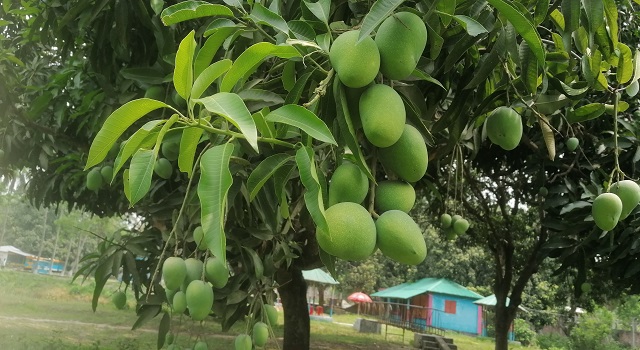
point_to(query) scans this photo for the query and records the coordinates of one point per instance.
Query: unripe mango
(170, 150)
(629, 193)
(163, 168)
(174, 272)
(445, 220)
(382, 114)
(572, 143)
(216, 272)
(348, 184)
(461, 226)
(194, 269)
(352, 232)
(394, 195)
(408, 158)
(356, 64)
(400, 238)
(272, 315)
(94, 179)
(243, 342)
(198, 237)
(606, 211)
(199, 297)
(107, 173)
(179, 302)
(260, 334)
(401, 39)
(119, 300)
(504, 128)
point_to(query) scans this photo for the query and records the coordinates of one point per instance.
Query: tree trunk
(44, 233)
(55, 248)
(321, 288)
(293, 293)
(78, 253)
(502, 325)
(66, 260)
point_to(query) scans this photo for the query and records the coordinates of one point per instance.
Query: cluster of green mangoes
(354, 235)
(453, 226)
(611, 207)
(260, 332)
(98, 176)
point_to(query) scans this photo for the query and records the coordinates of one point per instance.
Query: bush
(553, 341)
(524, 332)
(593, 331)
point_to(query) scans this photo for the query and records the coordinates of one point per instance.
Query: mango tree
(275, 129)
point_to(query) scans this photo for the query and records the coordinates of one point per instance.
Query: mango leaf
(146, 313)
(328, 260)
(266, 129)
(127, 187)
(145, 75)
(595, 14)
(528, 68)
(188, 145)
(302, 30)
(187, 10)
(248, 61)
(571, 13)
(380, 10)
(625, 64)
(446, 9)
(232, 108)
(101, 276)
(636, 63)
(313, 195)
(547, 135)
(346, 128)
(208, 76)
(489, 64)
(540, 12)
(321, 9)
(304, 119)
(183, 73)
(134, 142)
(611, 15)
(298, 88)
(261, 14)
(473, 27)
(574, 205)
(140, 173)
(257, 263)
(163, 329)
(264, 171)
(549, 104)
(586, 112)
(522, 25)
(116, 124)
(426, 77)
(210, 47)
(215, 181)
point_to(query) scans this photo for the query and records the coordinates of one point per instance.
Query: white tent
(5, 250)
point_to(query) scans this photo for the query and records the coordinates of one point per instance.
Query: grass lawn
(45, 312)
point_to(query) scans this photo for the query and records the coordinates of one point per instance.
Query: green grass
(45, 312)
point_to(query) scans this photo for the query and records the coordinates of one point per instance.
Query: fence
(412, 317)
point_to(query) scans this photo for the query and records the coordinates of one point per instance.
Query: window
(449, 307)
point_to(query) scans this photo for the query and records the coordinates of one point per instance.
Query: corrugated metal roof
(431, 285)
(492, 301)
(318, 275)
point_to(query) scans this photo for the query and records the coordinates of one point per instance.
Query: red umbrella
(359, 297)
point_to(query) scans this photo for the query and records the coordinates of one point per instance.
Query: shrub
(524, 332)
(553, 341)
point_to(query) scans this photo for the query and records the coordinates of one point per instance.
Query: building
(431, 304)
(11, 256)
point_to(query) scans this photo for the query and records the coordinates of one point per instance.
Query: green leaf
(611, 15)
(257, 263)
(380, 10)
(232, 108)
(426, 77)
(116, 124)
(571, 13)
(528, 68)
(446, 9)
(163, 329)
(248, 61)
(261, 14)
(329, 260)
(488, 65)
(187, 10)
(625, 64)
(146, 313)
(264, 171)
(141, 171)
(208, 76)
(210, 47)
(188, 145)
(575, 205)
(289, 75)
(134, 143)
(473, 27)
(145, 75)
(346, 128)
(215, 181)
(549, 104)
(302, 30)
(636, 63)
(595, 14)
(101, 276)
(586, 112)
(525, 28)
(296, 92)
(313, 195)
(321, 9)
(304, 119)
(183, 73)
(581, 38)
(127, 187)
(540, 12)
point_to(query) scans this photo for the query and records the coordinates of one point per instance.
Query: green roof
(492, 301)
(426, 285)
(319, 276)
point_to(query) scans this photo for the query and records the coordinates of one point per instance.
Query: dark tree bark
(293, 293)
(321, 288)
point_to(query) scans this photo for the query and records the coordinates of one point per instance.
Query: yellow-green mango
(408, 158)
(382, 114)
(401, 39)
(356, 64)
